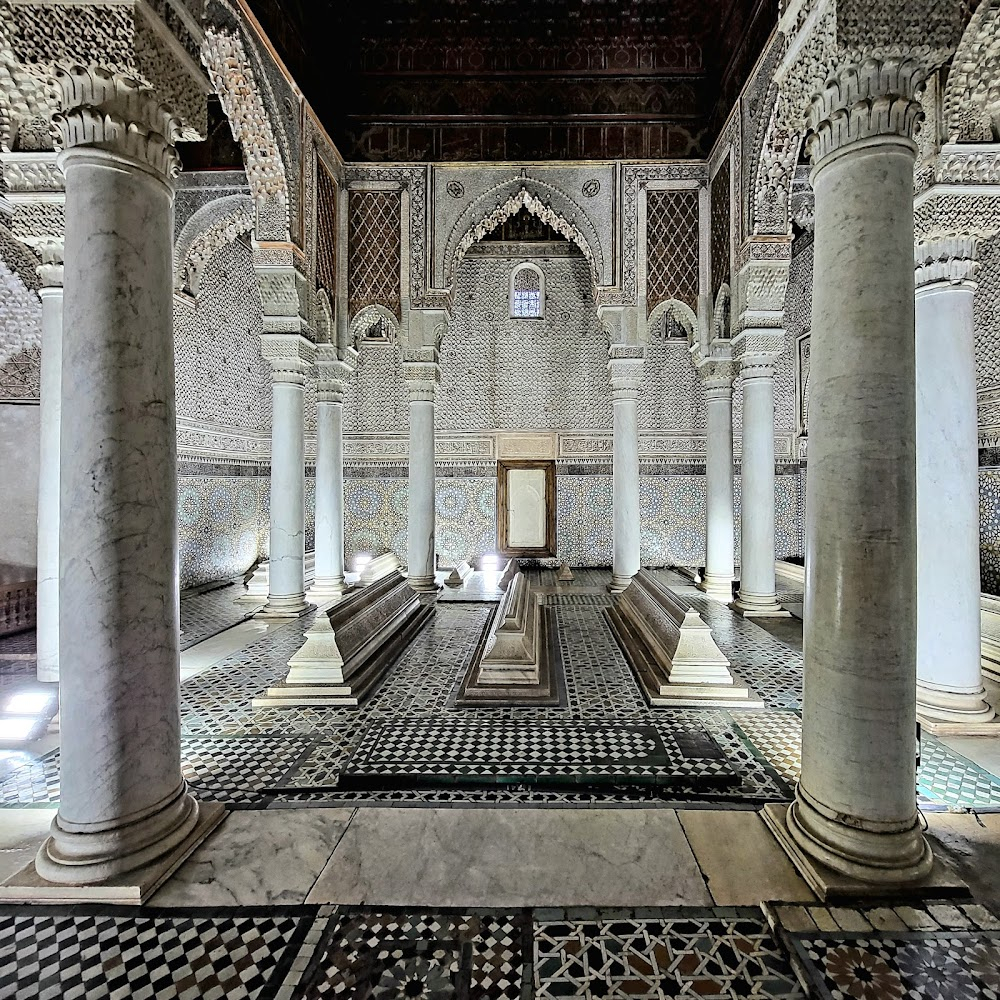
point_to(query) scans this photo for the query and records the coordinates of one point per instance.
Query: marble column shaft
(719, 538)
(625, 367)
(50, 408)
(123, 800)
(949, 674)
(757, 587)
(421, 380)
(855, 807)
(330, 481)
(291, 357)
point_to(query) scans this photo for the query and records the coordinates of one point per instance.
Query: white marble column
(758, 350)
(50, 407)
(332, 377)
(854, 815)
(125, 816)
(717, 378)
(291, 357)
(421, 382)
(950, 693)
(625, 367)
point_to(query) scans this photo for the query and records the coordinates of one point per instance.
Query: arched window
(527, 292)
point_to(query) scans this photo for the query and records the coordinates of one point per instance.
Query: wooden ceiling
(419, 80)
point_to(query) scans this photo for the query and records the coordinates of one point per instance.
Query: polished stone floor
(338, 875)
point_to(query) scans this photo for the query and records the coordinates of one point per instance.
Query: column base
(423, 584)
(938, 882)
(326, 589)
(285, 606)
(619, 584)
(758, 606)
(956, 713)
(131, 888)
(719, 588)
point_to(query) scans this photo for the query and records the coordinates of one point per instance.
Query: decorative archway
(683, 314)
(210, 228)
(542, 200)
(370, 316)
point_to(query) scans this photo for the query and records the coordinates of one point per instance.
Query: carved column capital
(757, 351)
(717, 376)
(625, 369)
(290, 355)
(117, 113)
(50, 271)
(873, 96)
(282, 292)
(951, 260)
(332, 375)
(422, 374)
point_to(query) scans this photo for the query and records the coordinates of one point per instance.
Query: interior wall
(19, 444)
(20, 343)
(500, 374)
(987, 312)
(222, 389)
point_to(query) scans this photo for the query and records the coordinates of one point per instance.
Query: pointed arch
(677, 310)
(548, 203)
(210, 228)
(371, 316)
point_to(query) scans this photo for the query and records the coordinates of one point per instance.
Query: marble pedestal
(132, 888)
(831, 885)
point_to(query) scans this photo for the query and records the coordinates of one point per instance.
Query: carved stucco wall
(20, 342)
(987, 313)
(222, 384)
(502, 374)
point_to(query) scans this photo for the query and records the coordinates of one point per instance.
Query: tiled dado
(989, 524)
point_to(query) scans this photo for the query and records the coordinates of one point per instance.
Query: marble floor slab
(21, 832)
(512, 858)
(739, 858)
(218, 647)
(970, 842)
(258, 858)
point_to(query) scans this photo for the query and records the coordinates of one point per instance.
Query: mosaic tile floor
(932, 952)
(486, 752)
(284, 757)
(304, 952)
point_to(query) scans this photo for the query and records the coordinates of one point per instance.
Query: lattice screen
(326, 231)
(20, 375)
(672, 248)
(720, 226)
(373, 251)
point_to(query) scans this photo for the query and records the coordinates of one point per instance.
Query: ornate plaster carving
(951, 260)
(207, 231)
(972, 97)
(235, 82)
(545, 201)
(127, 39)
(681, 312)
(371, 316)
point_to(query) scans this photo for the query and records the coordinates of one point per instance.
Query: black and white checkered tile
(107, 954)
(484, 751)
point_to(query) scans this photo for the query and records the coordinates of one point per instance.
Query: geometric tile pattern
(212, 611)
(387, 953)
(484, 752)
(373, 250)
(240, 955)
(944, 965)
(672, 247)
(698, 954)
(239, 770)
